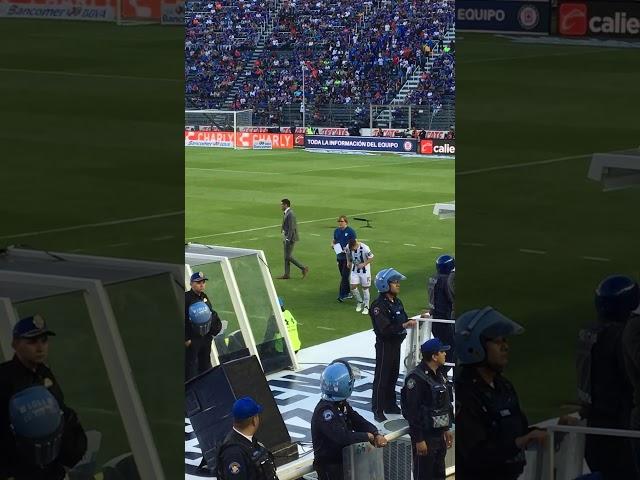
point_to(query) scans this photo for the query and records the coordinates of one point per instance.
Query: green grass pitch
(534, 235)
(91, 139)
(233, 199)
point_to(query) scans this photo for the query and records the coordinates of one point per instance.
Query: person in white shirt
(359, 258)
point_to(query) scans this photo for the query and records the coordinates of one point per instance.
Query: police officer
(631, 345)
(426, 404)
(604, 387)
(491, 429)
(200, 326)
(241, 456)
(441, 302)
(335, 424)
(292, 330)
(55, 428)
(389, 324)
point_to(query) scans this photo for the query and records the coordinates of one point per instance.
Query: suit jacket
(290, 226)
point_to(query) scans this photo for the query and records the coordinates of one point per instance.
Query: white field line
(535, 252)
(94, 225)
(311, 221)
(90, 75)
(522, 165)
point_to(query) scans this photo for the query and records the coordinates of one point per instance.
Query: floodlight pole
(304, 107)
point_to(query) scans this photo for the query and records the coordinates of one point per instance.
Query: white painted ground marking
(535, 252)
(119, 244)
(326, 328)
(94, 225)
(596, 259)
(522, 165)
(473, 244)
(162, 238)
(437, 248)
(90, 75)
(311, 221)
(409, 244)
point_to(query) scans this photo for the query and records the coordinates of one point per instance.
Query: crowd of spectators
(353, 52)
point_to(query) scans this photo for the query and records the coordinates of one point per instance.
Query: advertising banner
(605, 19)
(367, 144)
(391, 132)
(172, 12)
(208, 139)
(503, 16)
(97, 10)
(242, 140)
(435, 146)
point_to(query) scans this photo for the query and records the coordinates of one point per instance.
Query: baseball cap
(434, 345)
(199, 277)
(246, 407)
(30, 327)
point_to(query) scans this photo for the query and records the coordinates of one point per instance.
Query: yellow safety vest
(292, 330)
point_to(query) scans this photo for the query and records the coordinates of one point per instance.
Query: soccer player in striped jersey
(359, 258)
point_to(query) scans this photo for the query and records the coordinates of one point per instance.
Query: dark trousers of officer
(344, 278)
(635, 442)
(288, 258)
(610, 456)
(386, 374)
(329, 471)
(430, 466)
(198, 357)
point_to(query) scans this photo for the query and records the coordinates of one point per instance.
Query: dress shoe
(283, 277)
(395, 410)
(379, 417)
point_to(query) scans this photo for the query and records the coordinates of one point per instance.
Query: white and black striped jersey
(361, 254)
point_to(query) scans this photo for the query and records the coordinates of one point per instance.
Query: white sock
(356, 294)
(365, 294)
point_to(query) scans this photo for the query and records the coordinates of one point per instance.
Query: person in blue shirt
(343, 235)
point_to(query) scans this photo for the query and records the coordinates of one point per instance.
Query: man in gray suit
(290, 237)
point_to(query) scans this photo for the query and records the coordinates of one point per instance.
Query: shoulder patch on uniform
(376, 310)
(327, 415)
(48, 383)
(411, 383)
(234, 468)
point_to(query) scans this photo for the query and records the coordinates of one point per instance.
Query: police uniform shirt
(483, 446)
(192, 297)
(14, 377)
(387, 317)
(419, 396)
(343, 237)
(335, 425)
(631, 346)
(440, 296)
(235, 460)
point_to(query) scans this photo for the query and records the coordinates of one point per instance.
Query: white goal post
(215, 128)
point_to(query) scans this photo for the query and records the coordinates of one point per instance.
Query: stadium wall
(241, 140)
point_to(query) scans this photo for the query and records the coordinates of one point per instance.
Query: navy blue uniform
(488, 421)
(198, 354)
(14, 377)
(441, 307)
(242, 459)
(427, 396)
(343, 237)
(335, 425)
(387, 318)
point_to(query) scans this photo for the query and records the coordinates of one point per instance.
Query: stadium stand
(250, 55)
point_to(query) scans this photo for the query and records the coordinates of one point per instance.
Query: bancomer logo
(574, 20)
